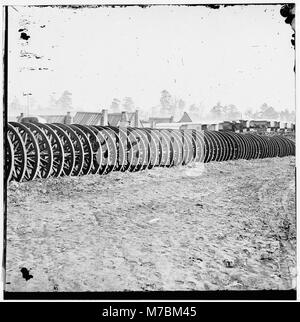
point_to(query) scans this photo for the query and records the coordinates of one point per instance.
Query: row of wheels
(35, 150)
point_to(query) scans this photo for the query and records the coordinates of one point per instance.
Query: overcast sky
(238, 55)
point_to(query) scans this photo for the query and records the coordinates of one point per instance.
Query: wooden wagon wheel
(87, 149)
(199, 145)
(120, 135)
(214, 145)
(246, 146)
(141, 151)
(78, 148)
(256, 146)
(209, 147)
(195, 144)
(132, 150)
(165, 148)
(57, 149)
(231, 145)
(32, 151)
(113, 143)
(223, 148)
(177, 137)
(153, 147)
(104, 152)
(263, 145)
(145, 146)
(161, 147)
(285, 146)
(170, 149)
(95, 146)
(236, 144)
(188, 147)
(68, 150)
(46, 154)
(290, 145)
(173, 146)
(19, 152)
(109, 148)
(9, 161)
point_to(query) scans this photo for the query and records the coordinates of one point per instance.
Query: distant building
(124, 119)
(87, 118)
(32, 119)
(54, 118)
(167, 122)
(185, 118)
(97, 118)
(161, 119)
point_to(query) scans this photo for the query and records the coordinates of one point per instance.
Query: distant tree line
(60, 105)
(169, 105)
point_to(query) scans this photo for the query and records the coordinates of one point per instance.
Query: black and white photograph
(149, 149)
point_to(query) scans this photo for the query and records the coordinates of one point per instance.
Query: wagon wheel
(236, 145)
(112, 140)
(177, 137)
(168, 137)
(108, 147)
(136, 150)
(188, 147)
(196, 148)
(145, 148)
(121, 144)
(247, 146)
(223, 147)
(256, 150)
(179, 153)
(153, 147)
(9, 161)
(264, 146)
(231, 145)
(78, 148)
(290, 146)
(209, 147)
(216, 145)
(199, 135)
(87, 149)
(68, 150)
(160, 146)
(103, 153)
(173, 146)
(46, 154)
(19, 152)
(95, 146)
(157, 145)
(141, 148)
(57, 149)
(165, 149)
(132, 150)
(32, 151)
(283, 148)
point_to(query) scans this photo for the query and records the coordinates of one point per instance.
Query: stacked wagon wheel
(67, 148)
(35, 150)
(32, 151)
(58, 155)
(10, 157)
(45, 150)
(19, 160)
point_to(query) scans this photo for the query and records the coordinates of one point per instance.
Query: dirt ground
(227, 226)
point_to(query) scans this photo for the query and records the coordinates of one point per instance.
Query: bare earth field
(227, 226)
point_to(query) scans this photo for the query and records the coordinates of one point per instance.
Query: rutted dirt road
(227, 225)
